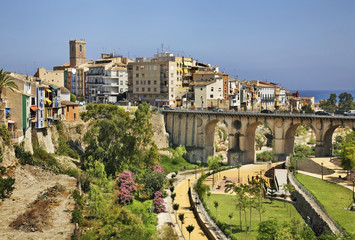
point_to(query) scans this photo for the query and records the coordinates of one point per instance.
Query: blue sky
(303, 44)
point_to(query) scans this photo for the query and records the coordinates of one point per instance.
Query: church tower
(77, 52)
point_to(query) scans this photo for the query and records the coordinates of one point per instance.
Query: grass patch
(172, 164)
(334, 198)
(226, 205)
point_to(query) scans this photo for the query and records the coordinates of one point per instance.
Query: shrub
(303, 150)
(5, 134)
(71, 172)
(23, 156)
(6, 187)
(266, 156)
(64, 149)
(78, 198)
(2, 170)
(158, 168)
(158, 202)
(153, 181)
(85, 182)
(77, 217)
(127, 188)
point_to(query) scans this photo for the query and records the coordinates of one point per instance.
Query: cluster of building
(35, 105)
(165, 79)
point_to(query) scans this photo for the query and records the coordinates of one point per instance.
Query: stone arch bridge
(195, 130)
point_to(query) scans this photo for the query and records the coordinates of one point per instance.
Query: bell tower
(77, 52)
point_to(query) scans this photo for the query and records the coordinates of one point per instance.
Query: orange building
(71, 110)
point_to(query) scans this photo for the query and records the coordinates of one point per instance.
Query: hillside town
(161, 80)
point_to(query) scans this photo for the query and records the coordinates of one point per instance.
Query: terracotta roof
(64, 90)
(69, 103)
(201, 83)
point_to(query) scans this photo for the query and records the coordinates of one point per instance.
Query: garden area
(335, 199)
(228, 214)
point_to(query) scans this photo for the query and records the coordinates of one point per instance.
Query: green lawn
(273, 210)
(171, 165)
(335, 199)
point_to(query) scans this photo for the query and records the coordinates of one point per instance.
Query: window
(155, 89)
(137, 82)
(142, 74)
(74, 116)
(155, 81)
(154, 67)
(121, 82)
(172, 82)
(171, 74)
(172, 89)
(67, 108)
(143, 89)
(172, 68)
(148, 82)
(149, 67)
(211, 89)
(80, 48)
(201, 89)
(137, 89)
(148, 89)
(219, 89)
(137, 68)
(137, 74)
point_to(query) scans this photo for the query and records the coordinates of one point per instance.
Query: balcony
(95, 82)
(57, 116)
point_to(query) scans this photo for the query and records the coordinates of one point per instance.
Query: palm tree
(6, 82)
(190, 228)
(182, 218)
(176, 207)
(216, 204)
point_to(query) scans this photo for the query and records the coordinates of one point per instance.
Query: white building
(267, 95)
(106, 80)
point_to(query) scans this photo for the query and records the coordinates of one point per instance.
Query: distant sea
(322, 94)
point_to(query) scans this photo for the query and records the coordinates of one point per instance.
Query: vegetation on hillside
(345, 103)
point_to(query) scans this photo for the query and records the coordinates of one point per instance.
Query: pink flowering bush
(158, 202)
(127, 188)
(158, 168)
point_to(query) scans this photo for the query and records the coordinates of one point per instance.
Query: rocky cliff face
(161, 137)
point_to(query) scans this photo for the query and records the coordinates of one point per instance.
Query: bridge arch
(195, 130)
(210, 129)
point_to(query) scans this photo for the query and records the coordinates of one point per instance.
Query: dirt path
(29, 183)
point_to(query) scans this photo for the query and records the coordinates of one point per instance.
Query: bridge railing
(277, 114)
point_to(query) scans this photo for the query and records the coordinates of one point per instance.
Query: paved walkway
(217, 181)
(181, 188)
(182, 199)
